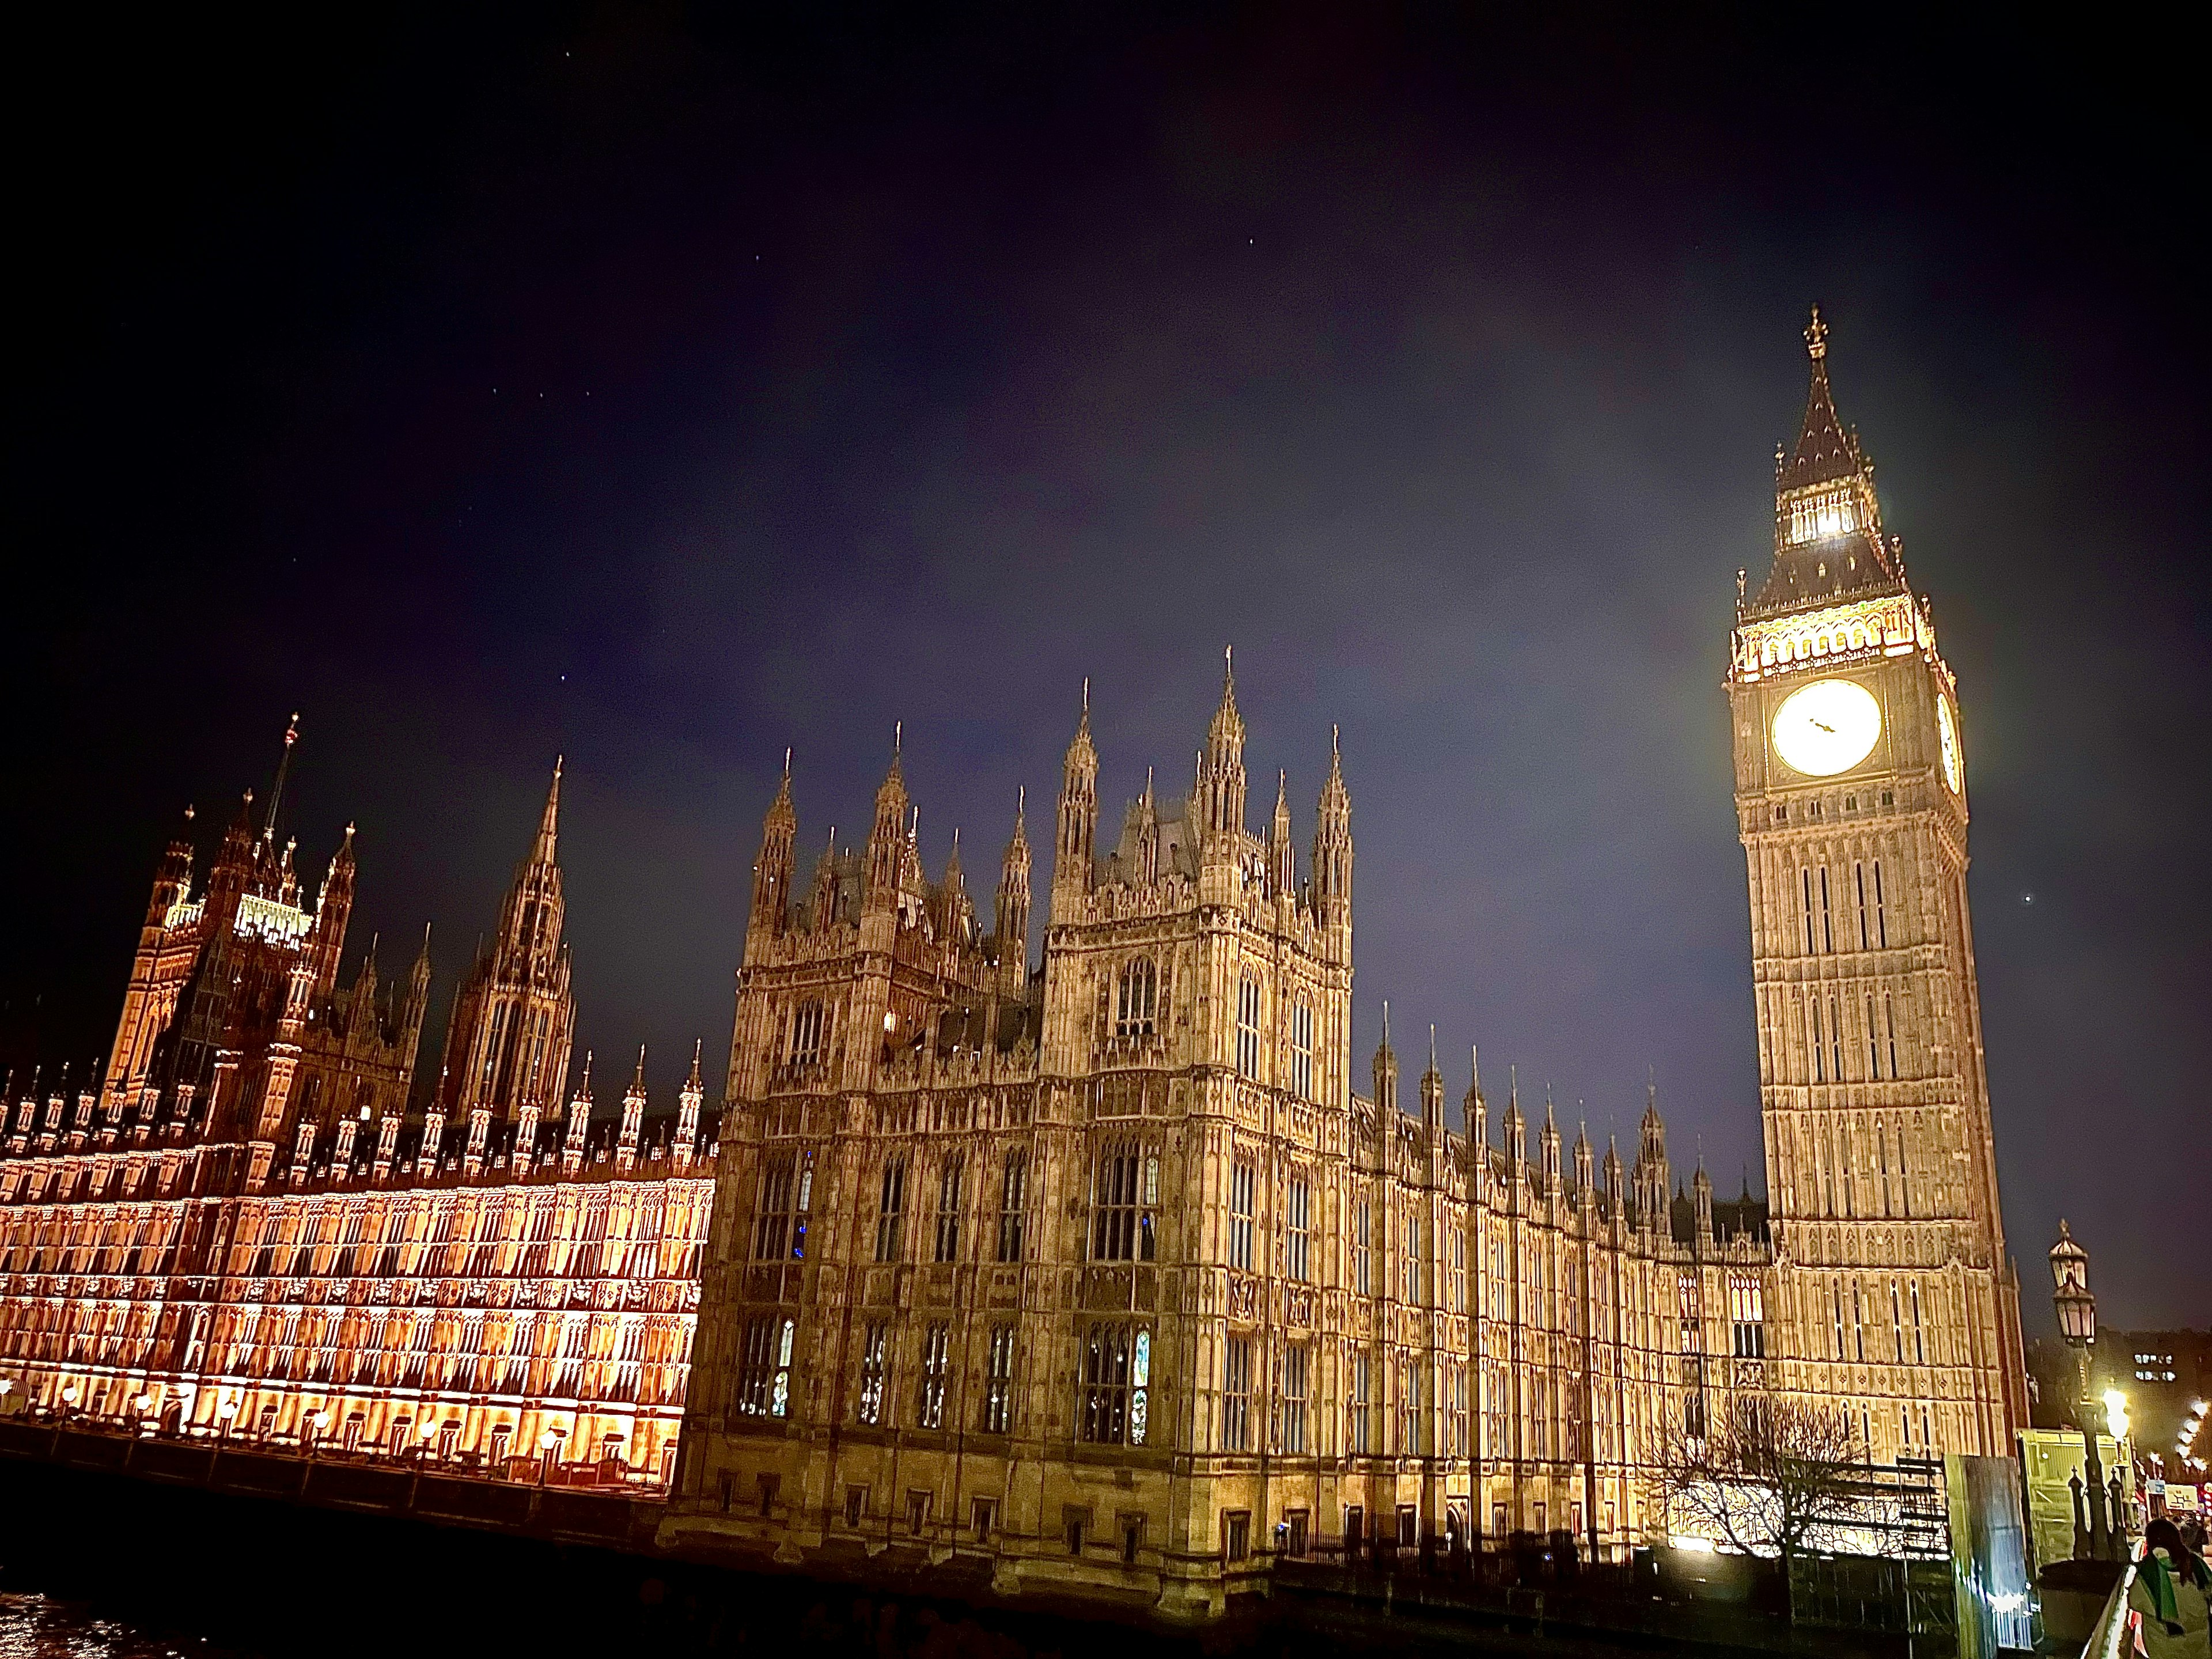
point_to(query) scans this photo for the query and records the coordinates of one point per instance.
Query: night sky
(663, 389)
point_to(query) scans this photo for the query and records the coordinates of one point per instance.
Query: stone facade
(247, 1232)
(1103, 1276)
(1892, 1275)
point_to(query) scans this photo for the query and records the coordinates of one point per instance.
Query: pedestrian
(2171, 1594)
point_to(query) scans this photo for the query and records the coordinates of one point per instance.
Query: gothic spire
(549, 824)
(276, 789)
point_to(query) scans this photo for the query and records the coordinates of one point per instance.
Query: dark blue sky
(664, 388)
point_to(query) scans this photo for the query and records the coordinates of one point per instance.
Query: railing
(2108, 1639)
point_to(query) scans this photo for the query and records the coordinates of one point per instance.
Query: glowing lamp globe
(2077, 1318)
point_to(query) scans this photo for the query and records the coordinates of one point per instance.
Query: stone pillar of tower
(1851, 805)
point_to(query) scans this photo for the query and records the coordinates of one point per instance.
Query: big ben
(1896, 1294)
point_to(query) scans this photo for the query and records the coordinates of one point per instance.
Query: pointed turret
(773, 869)
(1433, 1089)
(1651, 1176)
(1386, 1073)
(333, 909)
(1078, 822)
(1474, 1107)
(633, 1117)
(823, 908)
(1282, 853)
(1548, 1144)
(1582, 1170)
(887, 837)
(1828, 537)
(1011, 930)
(1701, 1195)
(579, 1120)
(959, 910)
(1218, 794)
(1332, 845)
(688, 1104)
(1612, 1176)
(1516, 1127)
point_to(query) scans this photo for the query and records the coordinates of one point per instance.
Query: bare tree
(1770, 1477)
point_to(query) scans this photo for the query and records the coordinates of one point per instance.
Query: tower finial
(1816, 336)
(786, 762)
(1386, 1021)
(1229, 667)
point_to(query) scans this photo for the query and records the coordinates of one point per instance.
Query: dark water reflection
(99, 1565)
(37, 1626)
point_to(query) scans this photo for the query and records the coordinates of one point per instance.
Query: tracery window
(936, 1363)
(998, 1384)
(1296, 1366)
(1409, 1254)
(1013, 1195)
(764, 1377)
(773, 1216)
(949, 1182)
(1236, 1393)
(1117, 1368)
(1125, 1195)
(891, 1212)
(1242, 1182)
(1363, 1249)
(1302, 1048)
(1248, 1027)
(875, 1348)
(1747, 1316)
(1136, 1002)
(1299, 1228)
(808, 1026)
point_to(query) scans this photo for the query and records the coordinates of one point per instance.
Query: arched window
(1117, 1375)
(948, 1208)
(1125, 1195)
(807, 1025)
(1302, 1048)
(1136, 1003)
(1013, 1197)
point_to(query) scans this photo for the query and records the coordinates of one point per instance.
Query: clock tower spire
(1851, 799)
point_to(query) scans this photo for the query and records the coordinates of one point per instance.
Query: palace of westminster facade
(1101, 1273)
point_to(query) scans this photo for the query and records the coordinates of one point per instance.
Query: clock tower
(1896, 1296)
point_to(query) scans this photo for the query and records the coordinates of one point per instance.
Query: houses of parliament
(1111, 1271)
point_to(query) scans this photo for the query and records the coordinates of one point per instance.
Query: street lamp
(2077, 1324)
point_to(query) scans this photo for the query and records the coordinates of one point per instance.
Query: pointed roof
(698, 1045)
(1335, 799)
(1826, 451)
(1017, 848)
(543, 851)
(1227, 726)
(781, 814)
(1082, 753)
(1840, 547)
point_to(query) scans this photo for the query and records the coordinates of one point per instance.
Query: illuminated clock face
(1826, 727)
(1947, 730)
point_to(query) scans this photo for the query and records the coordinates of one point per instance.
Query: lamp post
(2077, 1324)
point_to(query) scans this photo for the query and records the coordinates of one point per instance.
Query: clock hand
(1824, 727)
